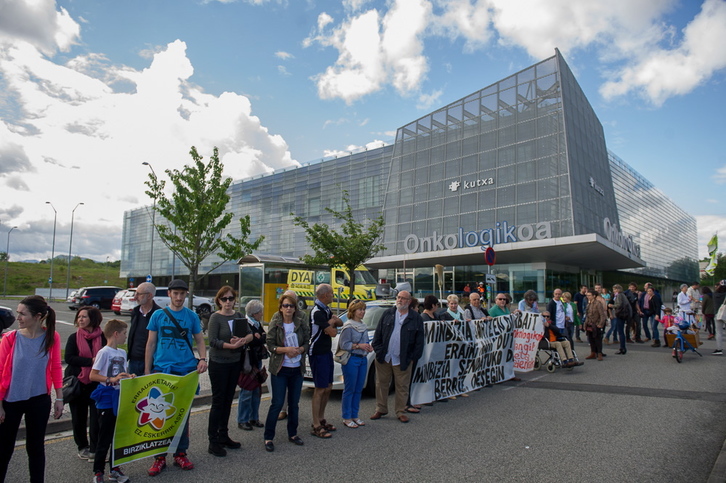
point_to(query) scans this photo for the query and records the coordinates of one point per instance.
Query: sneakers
(717, 352)
(158, 466)
(183, 462)
(118, 476)
(85, 454)
(98, 478)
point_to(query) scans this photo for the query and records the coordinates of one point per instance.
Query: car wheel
(96, 305)
(204, 311)
(117, 313)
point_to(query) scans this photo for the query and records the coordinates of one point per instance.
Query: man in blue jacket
(398, 342)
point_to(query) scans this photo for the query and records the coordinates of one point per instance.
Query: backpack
(625, 312)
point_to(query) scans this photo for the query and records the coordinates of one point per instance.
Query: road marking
(63, 322)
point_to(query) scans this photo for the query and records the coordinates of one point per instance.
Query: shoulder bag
(182, 332)
(71, 389)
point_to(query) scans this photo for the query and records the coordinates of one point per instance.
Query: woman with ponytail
(81, 350)
(30, 367)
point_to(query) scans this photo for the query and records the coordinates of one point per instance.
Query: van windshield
(364, 277)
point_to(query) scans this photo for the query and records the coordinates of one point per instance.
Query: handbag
(253, 379)
(341, 356)
(721, 314)
(71, 389)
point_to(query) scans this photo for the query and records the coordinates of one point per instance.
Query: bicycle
(681, 344)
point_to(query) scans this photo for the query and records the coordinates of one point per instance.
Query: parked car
(71, 296)
(99, 297)
(116, 304)
(202, 306)
(374, 312)
(127, 304)
(7, 318)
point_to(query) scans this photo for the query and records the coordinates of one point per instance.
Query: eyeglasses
(288, 306)
(501, 299)
(226, 299)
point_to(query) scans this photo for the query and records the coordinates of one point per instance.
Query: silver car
(374, 312)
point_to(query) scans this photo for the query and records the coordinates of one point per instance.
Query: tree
(196, 210)
(3, 257)
(349, 249)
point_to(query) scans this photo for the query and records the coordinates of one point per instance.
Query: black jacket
(412, 337)
(74, 362)
(138, 333)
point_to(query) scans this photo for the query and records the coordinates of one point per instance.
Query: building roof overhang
(588, 252)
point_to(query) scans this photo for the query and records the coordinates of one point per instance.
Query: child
(108, 369)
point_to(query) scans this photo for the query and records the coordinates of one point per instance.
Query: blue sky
(90, 89)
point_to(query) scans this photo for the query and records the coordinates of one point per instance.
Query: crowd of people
(163, 341)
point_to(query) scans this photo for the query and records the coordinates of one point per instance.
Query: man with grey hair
(138, 333)
(398, 342)
(323, 328)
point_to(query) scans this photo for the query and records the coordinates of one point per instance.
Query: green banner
(151, 415)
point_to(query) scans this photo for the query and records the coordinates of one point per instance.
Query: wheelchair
(548, 357)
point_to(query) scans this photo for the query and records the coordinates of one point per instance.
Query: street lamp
(70, 247)
(153, 222)
(105, 274)
(7, 260)
(52, 253)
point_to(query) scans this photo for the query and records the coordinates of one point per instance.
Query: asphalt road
(640, 417)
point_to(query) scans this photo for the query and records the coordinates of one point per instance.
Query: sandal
(411, 409)
(359, 422)
(350, 424)
(320, 432)
(327, 425)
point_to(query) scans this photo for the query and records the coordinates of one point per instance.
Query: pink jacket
(53, 372)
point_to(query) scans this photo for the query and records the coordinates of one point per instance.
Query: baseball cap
(178, 284)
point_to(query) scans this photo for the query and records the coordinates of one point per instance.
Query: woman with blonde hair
(354, 339)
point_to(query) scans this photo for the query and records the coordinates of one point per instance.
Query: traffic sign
(491, 278)
(489, 256)
(148, 278)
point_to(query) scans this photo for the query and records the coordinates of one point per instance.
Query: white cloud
(284, 55)
(720, 175)
(283, 70)
(637, 46)
(374, 50)
(425, 101)
(353, 148)
(708, 225)
(38, 23)
(79, 131)
(663, 73)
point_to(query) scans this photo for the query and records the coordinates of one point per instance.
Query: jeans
(248, 405)
(223, 377)
(354, 378)
(648, 321)
(84, 418)
(136, 367)
(289, 380)
(612, 330)
(619, 324)
(36, 411)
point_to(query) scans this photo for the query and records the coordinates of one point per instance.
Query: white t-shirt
(110, 362)
(291, 341)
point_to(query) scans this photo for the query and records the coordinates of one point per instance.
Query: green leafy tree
(196, 211)
(350, 247)
(3, 257)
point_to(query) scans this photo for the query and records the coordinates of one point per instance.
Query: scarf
(455, 315)
(354, 324)
(253, 322)
(82, 338)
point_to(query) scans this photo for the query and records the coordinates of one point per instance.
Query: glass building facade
(521, 166)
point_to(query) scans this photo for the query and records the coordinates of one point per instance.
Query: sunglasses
(288, 306)
(501, 299)
(226, 299)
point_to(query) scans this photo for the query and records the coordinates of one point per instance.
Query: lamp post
(153, 222)
(7, 260)
(105, 275)
(70, 247)
(52, 253)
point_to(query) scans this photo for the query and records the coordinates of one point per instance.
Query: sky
(90, 90)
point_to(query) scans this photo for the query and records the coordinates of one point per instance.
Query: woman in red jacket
(29, 367)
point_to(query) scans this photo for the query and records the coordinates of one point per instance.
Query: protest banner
(528, 331)
(151, 416)
(459, 357)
